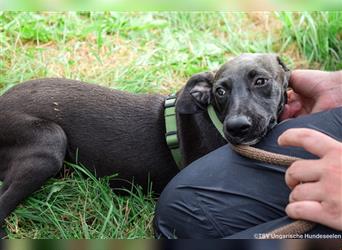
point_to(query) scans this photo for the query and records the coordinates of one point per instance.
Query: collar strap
(215, 120)
(171, 135)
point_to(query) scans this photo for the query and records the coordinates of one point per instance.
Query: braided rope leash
(294, 228)
(297, 227)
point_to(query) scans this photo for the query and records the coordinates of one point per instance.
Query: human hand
(312, 91)
(316, 184)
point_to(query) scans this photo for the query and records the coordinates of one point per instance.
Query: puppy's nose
(238, 126)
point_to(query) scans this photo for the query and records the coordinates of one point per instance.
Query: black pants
(224, 195)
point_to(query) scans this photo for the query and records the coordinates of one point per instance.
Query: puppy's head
(248, 93)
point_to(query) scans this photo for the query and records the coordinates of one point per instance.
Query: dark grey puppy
(248, 93)
(44, 122)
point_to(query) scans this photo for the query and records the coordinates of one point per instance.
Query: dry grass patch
(85, 59)
(74, 59)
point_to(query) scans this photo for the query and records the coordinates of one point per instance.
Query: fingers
(290, 110)
(312, 141)
(292, 106)
(303, 171)
(307, 192)
(286, 114)
(314, 211)
(292, 97)
(306, 210)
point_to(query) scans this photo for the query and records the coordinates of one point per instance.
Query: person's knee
(177, 208)
(170, 210)
(180, 212)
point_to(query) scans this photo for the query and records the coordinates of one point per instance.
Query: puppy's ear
(285, 80)
(196, 94)
(286, 71)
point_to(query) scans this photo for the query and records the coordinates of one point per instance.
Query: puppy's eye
(220, 92)
(261, 82)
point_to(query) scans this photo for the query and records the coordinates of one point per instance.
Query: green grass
(138, 52)
(318, 36)
(81, 206)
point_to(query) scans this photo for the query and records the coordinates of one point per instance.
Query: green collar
(171, 134)
(215, 120)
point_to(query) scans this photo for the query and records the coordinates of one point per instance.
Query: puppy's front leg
(32, 151)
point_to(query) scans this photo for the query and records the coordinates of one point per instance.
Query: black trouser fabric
(224, 195)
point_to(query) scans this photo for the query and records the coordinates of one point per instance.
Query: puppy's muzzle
(238, 126)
